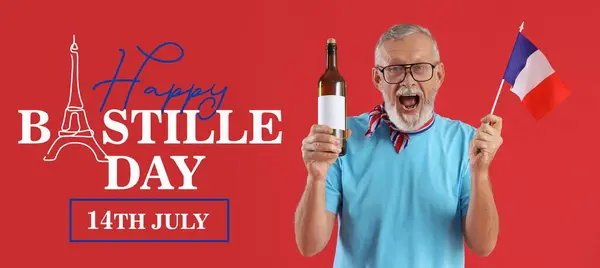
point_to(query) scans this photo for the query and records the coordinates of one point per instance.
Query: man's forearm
(482, 224)
(313, 222)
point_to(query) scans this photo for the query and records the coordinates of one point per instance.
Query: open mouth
(410, 101)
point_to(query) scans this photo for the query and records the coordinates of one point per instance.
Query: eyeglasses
(420, 72)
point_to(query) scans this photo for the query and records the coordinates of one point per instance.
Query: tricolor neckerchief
(399, 138)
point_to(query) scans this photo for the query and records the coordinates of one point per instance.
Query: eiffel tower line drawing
(75, 128)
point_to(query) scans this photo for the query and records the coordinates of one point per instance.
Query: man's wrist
(314, 179)
(482, 174)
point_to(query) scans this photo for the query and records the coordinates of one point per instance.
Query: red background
(270, 55)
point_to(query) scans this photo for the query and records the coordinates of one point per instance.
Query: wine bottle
(332, 97)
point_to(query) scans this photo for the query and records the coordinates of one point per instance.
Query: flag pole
(497, 95)
(502, 82)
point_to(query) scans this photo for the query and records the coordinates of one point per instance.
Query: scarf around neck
(399, 138)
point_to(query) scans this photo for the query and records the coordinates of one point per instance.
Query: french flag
(533, 79)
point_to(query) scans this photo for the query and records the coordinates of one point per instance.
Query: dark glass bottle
(332, 96)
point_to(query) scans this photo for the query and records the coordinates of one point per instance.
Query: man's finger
(490, 118)
(487, 129)
(322, 147)
(316, 128)
(479, 144)
(321, 156)
(320, 137)
(483, 136)
(493, 120)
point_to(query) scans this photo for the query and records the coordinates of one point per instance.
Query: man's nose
(408, 81)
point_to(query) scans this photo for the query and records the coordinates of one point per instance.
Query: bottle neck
(331, 57)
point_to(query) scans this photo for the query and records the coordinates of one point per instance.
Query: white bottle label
(332, 111)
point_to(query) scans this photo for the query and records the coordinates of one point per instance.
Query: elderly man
(413, 183)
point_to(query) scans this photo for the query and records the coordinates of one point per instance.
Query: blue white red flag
(533, 79)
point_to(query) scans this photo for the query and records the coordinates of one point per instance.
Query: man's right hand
(314, 224)
(320, 149)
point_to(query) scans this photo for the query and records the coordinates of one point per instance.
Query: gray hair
(400, 31)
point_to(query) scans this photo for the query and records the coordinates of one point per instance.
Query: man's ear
(376, 78)
(440, 74)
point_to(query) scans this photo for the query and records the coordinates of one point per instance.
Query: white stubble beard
(410, 123)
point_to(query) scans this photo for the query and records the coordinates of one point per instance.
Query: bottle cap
(330, 41)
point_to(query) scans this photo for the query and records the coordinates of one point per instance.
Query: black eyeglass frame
(408, 66)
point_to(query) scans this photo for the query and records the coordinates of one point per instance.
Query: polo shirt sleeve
(333, 188)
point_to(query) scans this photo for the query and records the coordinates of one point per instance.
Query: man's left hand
(486, 143)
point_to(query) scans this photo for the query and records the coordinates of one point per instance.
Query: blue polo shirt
(401, 209)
